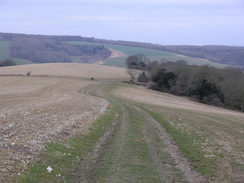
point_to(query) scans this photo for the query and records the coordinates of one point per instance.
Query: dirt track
(38, 110)
(139, 138)
(136, 148)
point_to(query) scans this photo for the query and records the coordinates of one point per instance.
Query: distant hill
(44, 48)
(161, 56)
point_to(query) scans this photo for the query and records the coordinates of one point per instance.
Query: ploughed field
(36, 110)
(145, 136)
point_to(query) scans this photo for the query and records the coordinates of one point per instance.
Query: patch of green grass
(133, 159)
(57, 148)
(75, 59)
(118, 62)
(64, 156)
(190, 145)
(5, 54)
(19, 61)
(4, 50)
(128, 50)
(237, 165)
(140, 160)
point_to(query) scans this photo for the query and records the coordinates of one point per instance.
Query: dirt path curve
(38, 110)
(137, 149)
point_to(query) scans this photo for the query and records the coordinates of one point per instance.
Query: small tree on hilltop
(138, 61)
(135, 63)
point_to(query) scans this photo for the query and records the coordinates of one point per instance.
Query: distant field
(119, 60)
(152, 54)
(5, 54)
(20, 61)
(79, 70)
(4, 50)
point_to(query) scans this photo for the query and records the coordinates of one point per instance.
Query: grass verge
(62, 157)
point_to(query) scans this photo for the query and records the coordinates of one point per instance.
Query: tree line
(205, 84)
(7, 62)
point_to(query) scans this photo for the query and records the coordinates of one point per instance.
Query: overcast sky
(177, 22)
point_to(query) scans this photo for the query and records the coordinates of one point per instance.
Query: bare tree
(132, 73)
(138, 61)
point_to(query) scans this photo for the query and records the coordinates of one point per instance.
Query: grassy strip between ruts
(132, 158)
(189, 144)
(62, 157)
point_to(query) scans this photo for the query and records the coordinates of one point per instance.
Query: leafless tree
(132, 73)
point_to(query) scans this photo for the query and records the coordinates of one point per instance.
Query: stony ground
(38, 110)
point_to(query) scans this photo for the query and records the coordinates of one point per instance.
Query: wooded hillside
(43, 49)
(56, 46)
(205, 84)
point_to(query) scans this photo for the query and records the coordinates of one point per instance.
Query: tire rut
(87, 169)
(169, 146)
(119, 144)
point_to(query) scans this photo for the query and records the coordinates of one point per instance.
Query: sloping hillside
(153, 54)
(49, 51)
(78, 70)
(45, 49)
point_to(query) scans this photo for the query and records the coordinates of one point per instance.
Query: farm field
(5, 54)
(103, 130)
(4, 50)
(38, 110)
(152, 54)
(85, 71)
